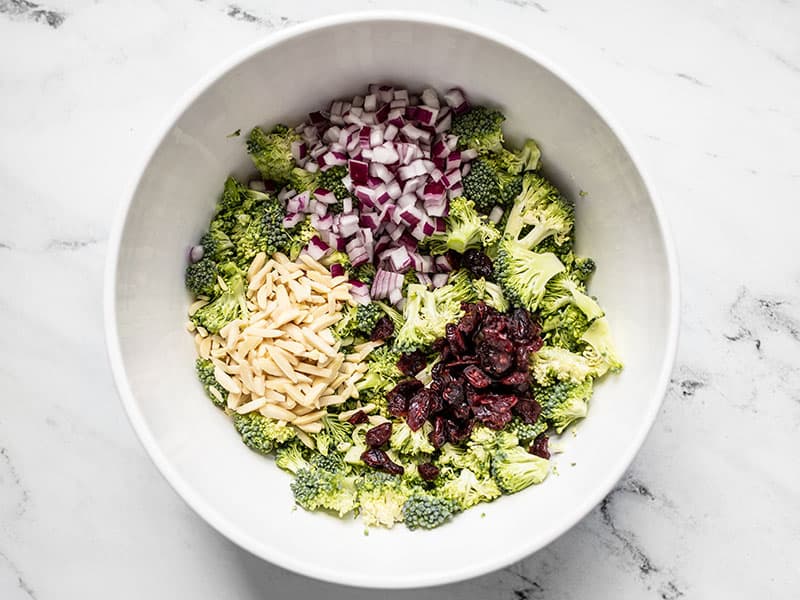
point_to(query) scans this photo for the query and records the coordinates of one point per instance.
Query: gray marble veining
(707, 91)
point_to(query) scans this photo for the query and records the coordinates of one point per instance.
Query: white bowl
(243, 495)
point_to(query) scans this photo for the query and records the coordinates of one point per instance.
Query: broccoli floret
(409, 278)
(381, 376)
(565, 327)
(381, 498)
(564, 402)
(467, 490)
(230, 305)
(515, 469)
(364, 273)
(466, 228)
(491, 294)
(230, 202)
(205, 373)
(600, 348)
(216, 244)
(392, 313)
(332, 462)
(526, 432)
(290, 458)
(301, 180)
(543, 209)
(317, 488)
(201, 278)
(261, 433)
(428, 311)
(481, 186)
(550, 364)
(409, 442)
(300, 235)
(272, 152)
(337, 256)
(331, 180)
(423, 511)
(522, 274)
(479, 128)
(562, 290)
(581, 269)
(335, 434)
(367, 316)
(477, 459)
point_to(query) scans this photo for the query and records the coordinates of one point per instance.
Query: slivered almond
(276, 354)
(290, 346)
(258, 262)
(263, 332)
(274, 397)
(318, 342)
(196, 305)
(323, 322)
(305, 438)
(313, 264)
(301, 294)
(286, 315)
(331, 400)
(303, 367)
(254, 404)
(226, 381)
(277, 412)
(315, 427)
(310, 417)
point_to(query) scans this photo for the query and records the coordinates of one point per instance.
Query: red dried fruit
(496, 363)
(477, 263)
(407, 387)
(528, 411)
(516, 378)
(428, 471)
(358, 417)
(457, 432)
(476, 377)
(453, 392)
(378, 459)
(419, 408)
(438, 436)
(379, 435)
(539, 446)
(456, 340)
(383, 329)
(412, 363)
(493, 419)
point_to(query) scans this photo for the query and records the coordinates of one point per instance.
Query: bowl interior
(244, 495)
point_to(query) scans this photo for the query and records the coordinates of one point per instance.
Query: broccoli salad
(394, 309)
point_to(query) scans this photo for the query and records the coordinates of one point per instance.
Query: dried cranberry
(407, 387)
(498, 402)
(412, 363)
(469, 322)
(521, 358)
(537, 344)
(493, 419)
(428, 471)
(539, 446)
(357, 417)
(455, 338)
(379, 435)
(457, 432)
(383, 329)
(498, 342)
(454, 258)
(496, 363)
(396, 404)
(438, 436)
(521, 326)
(437, 403)
(453, 392)
(378, 459)
(476, 377)
(515, 378)
(477, 263)
(528, 410)
(460, 410)
(419, 408)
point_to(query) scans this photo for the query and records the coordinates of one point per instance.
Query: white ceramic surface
(243, 495)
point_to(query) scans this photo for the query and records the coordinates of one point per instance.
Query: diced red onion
(291, 219)
(359, 171)
(456, 100)
(468, 155)
(496, 214)
(390, 132)
(337, 270)
(359, 291)
(439, 280)
(430, 97)
(395, 296)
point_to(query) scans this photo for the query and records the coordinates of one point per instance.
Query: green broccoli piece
(230, 202)
(423, 511)
(381, 376)
(427, 312)
(563, 289)
(201, 278)
(491, 294)
(600, 348)
(301, 180)
(272, 152)
(230, 305)
(542, 208)
(205, 373)
(300, 235)
(335, 434)
(526, 432)
(291, 457)
(317, 488)
(364, 273)
(409, 278)
(367, 316)
(551, 363)
(565, 328)
(337, 256)
(332, 462)
(467, 490)
(522, 274)
(381, 498)
(406, 441)
(331, 180)
(216, 244)
(482, 186)
(475, 458)
(515, 469)
(564, 402)
(466, 228)
(260, 433)
(479, 128)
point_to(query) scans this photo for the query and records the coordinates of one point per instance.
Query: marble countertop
(708, 91)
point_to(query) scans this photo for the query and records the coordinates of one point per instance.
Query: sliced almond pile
(283, 360)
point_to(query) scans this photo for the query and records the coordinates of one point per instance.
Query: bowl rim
(273, 554)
